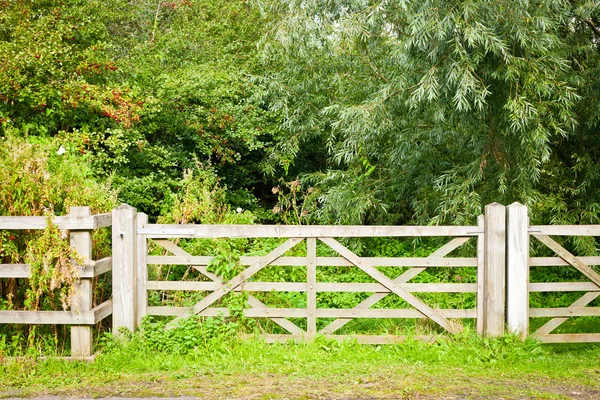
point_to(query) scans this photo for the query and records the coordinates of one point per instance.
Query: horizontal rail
(566, 230)
(361, 339)
(57, 317)
(321, 312)
(327, 261)
(565, 312)
(288, 231)
(320, 287)
(568, 337)
(564, 287)
(89, 271)
(63, 222)
(557, 261)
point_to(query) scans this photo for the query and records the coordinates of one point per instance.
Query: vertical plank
(81, 241)
(311, 287)
(480, 274)
(142, 270)
(124, 270)
(517, 269)
(495, 269)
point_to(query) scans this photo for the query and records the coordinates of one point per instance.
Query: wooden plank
(557, 261)
(63, 222)
(252, 301)
(405, 277)
(565, 312)
(320, 312)
(304, 231)
(361, 339)
(102, 311)
(142, 270)
(569, 338)
(124, 275)
(240, 278)
(320, 287)
(91, 270)
(47, 317)
(311, 287)
(326, 261)
(388, 283)
(570, 258)
(102, 220)
(81, 241)
(563, 287)
(556, 322)
(98, 268)
(480, 301)
(14, 270)
(517, 269)
(566, 230)
(494, 265)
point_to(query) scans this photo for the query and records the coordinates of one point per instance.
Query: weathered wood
(320, 287)
(405, 277)
(102, 311)
(320, 312)
(559, 262)
(90, 270)
(566, 230)
(517, 269)
(556, 322)
(97, 268)
(480, 301)
(47, 317)
(311, 287)
(361, 339)
(142, 270)
(563, 287)
(570, 258)
(388, 283)
(569, 338)
(252, 301)
(565, 312)
(81, 241)
(495, 265)
(14, 270)
(240, 278)
(325, 261)
(303, 231)
(124, 268)
(63, 222)
(102, 220)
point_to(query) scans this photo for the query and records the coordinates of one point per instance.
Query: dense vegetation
(296, 112)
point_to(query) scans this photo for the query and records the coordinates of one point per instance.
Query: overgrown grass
(224, 367)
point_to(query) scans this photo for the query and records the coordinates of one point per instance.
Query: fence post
(142, 270)
(81, 241)
(480, 301)
(494, 284)
(124, 272)
(517, 269)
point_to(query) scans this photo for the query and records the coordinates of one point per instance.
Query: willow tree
(430, 109)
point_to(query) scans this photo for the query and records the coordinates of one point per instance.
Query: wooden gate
(131, 227)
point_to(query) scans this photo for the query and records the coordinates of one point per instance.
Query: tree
(435, 108)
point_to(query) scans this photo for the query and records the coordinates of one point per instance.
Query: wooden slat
(304, 231)
(102, 311)
(570, 258)
(388, 283)
(89, 271)
(14, 270)
(405, 277)
(361, 339)
(142, 270)
(241, 277)
(480, 301)
(569, 338)
(311, 287)
(557, 261)
(556, 322)
(102, 220)
(517, 269)
(565, 312)
(320, 312)
(98, 268)
(320, 287)
(63, 222)
(47, 317)
(563, 287)
(326, 261)
(566, 230)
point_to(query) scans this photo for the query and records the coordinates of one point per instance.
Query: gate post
(517, 269)
(142, 271)
(124, 274)
(494, 274)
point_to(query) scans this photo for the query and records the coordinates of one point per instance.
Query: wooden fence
(502, 264)
(82, 316)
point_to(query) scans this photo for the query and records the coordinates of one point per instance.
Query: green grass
(459, 367)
